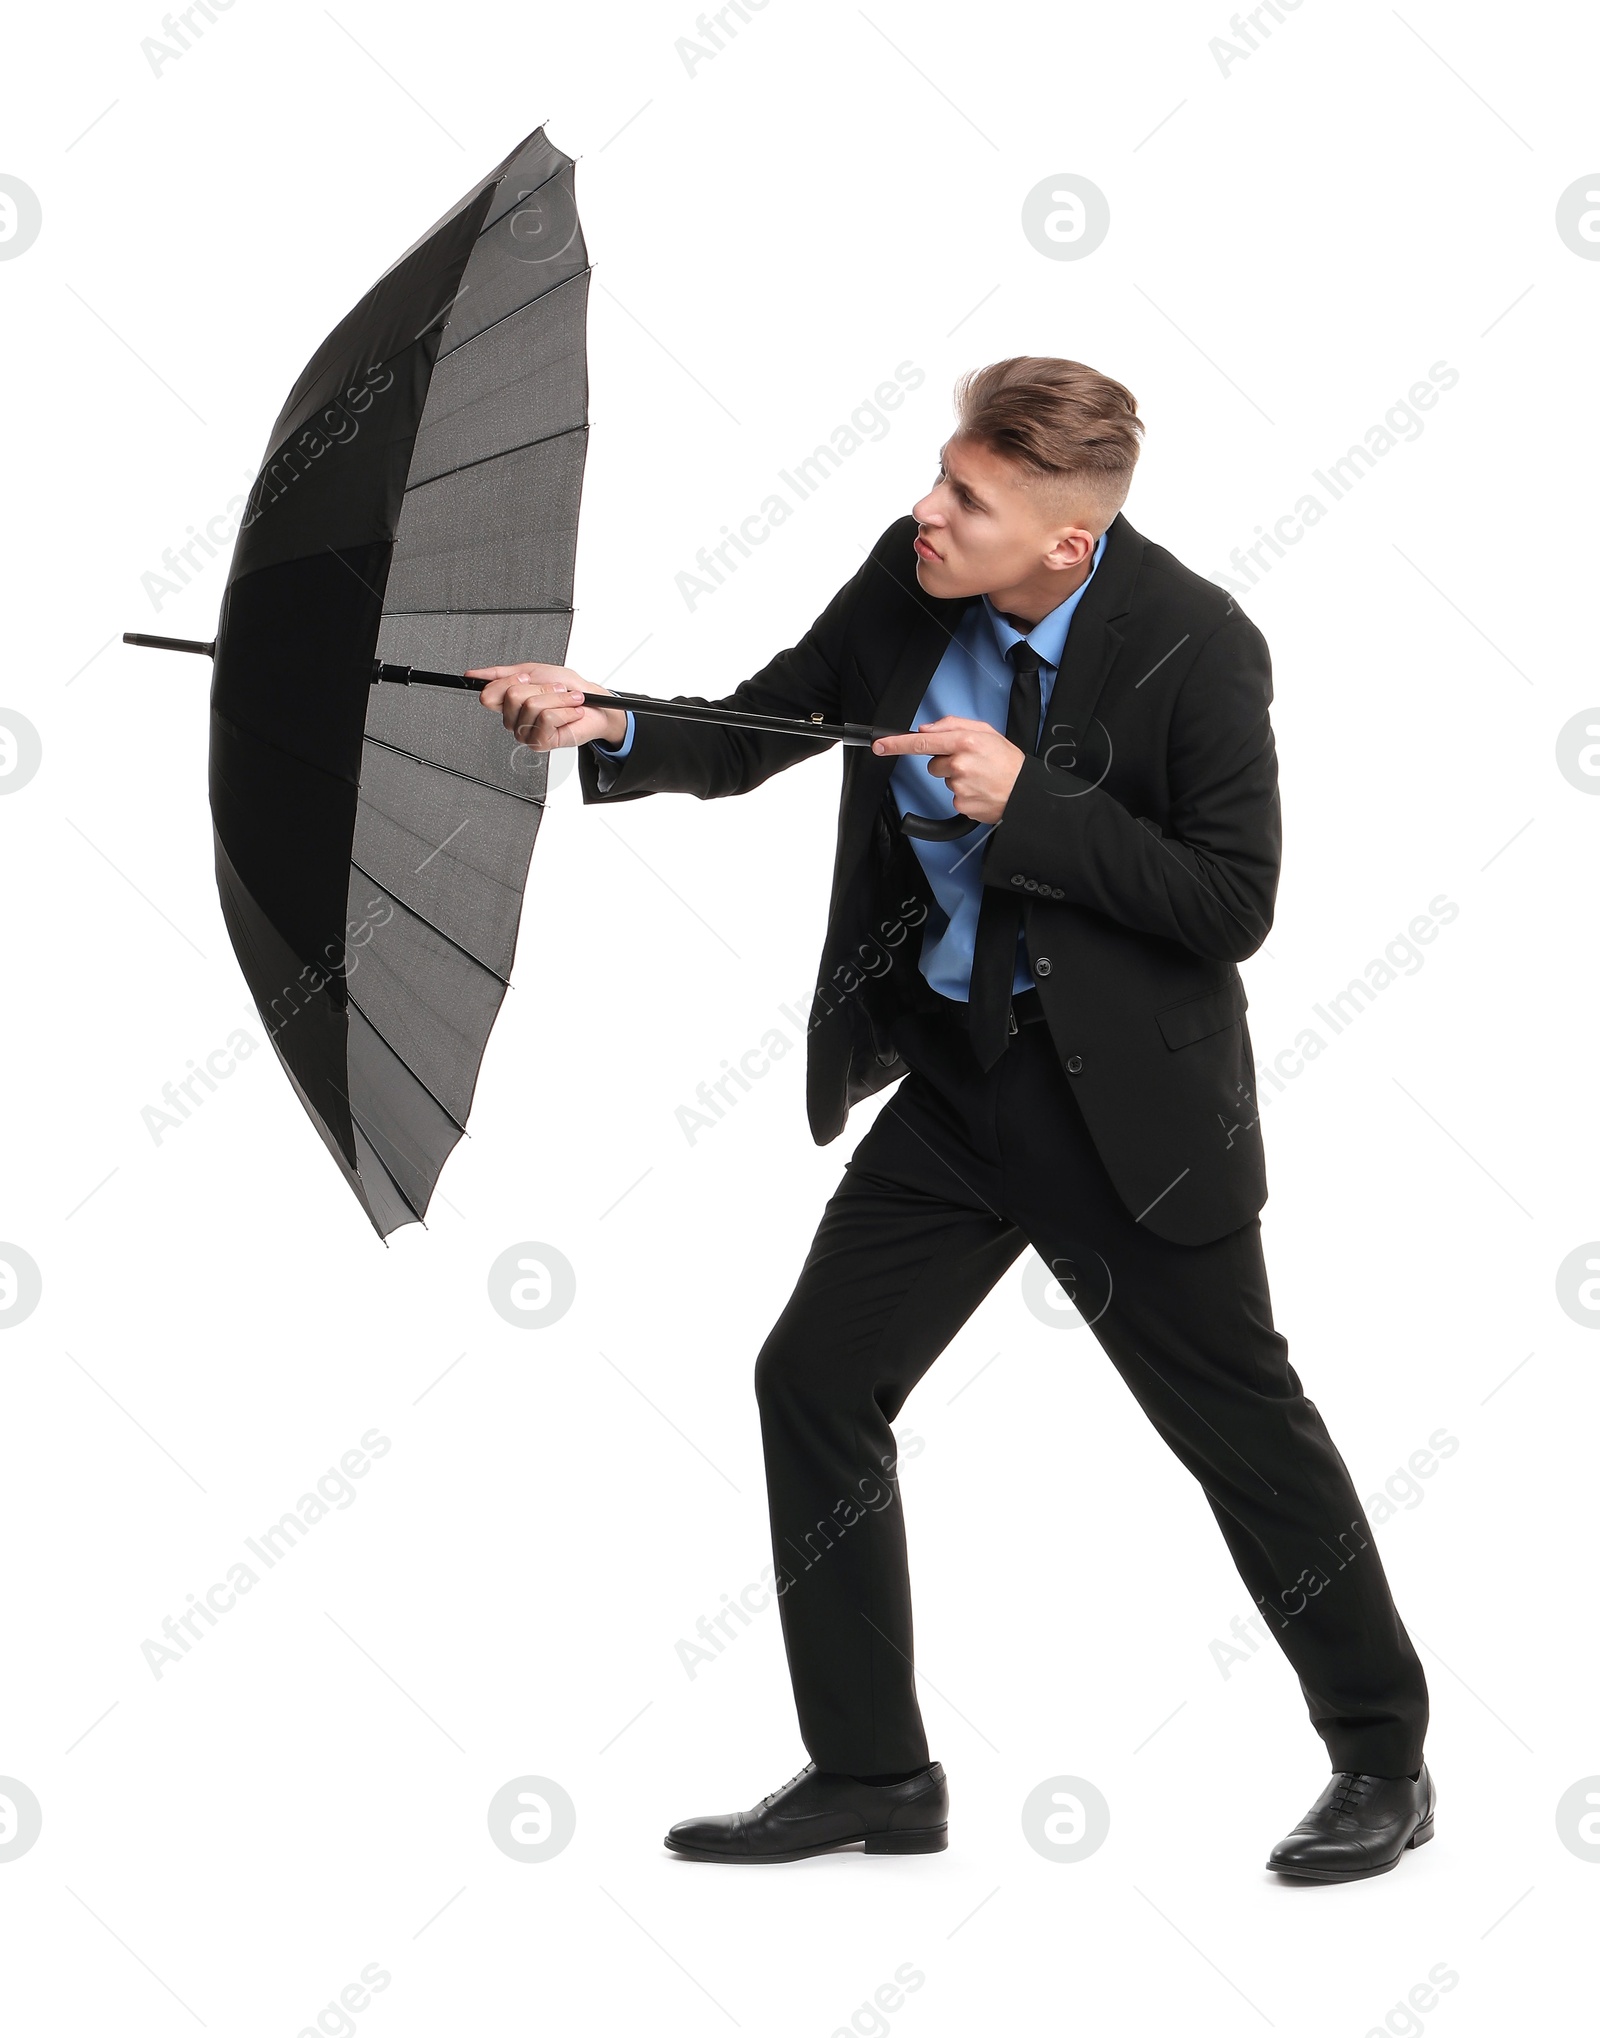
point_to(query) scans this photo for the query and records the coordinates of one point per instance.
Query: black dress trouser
(960, 1173)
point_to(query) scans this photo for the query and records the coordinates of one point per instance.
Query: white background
(1293, 244)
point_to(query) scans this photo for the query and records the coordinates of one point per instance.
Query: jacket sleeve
(1209, 882)
(711, 763)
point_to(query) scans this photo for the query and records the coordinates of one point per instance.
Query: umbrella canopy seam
(483, 459)
(432, 926)
(501, 609)
(452, 771)
(410, 1071)
(366, 1133)
(497, 179)
(516, 312)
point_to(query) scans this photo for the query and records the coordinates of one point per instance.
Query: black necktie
(994, 952)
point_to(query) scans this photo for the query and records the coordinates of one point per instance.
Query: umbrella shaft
(854, 735)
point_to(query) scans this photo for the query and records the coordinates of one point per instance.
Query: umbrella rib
(451, 770)
(382, 1163)
(505, 452)
(560, 170)
(446, 354)
(366, 1131)
(432, 925)
(410, 1071)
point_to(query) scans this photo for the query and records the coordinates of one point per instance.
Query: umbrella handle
(169, 643)
(937, 827)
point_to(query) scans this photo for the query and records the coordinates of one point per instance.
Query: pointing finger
(930, 742)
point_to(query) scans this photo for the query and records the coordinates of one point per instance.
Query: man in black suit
(1039, 901)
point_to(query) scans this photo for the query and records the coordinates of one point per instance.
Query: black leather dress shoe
(816, 1812)
(1360, 1825)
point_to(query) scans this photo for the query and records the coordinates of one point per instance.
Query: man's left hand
(977, 763)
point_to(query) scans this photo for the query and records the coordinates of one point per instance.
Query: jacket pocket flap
(1181, 1025)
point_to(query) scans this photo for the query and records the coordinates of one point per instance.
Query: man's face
(982, 529)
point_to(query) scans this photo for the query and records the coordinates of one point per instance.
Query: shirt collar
(1049, 635)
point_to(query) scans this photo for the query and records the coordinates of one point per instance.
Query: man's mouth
(923, 549)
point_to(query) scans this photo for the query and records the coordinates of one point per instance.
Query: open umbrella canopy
(418, 505)
(416, 514)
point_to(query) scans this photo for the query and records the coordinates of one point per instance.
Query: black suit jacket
(1144, 842)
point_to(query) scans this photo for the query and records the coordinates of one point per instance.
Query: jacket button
(1057, 892)
(1042, 967)
(1017, 878)
(1074, 1064)
(1032, 885)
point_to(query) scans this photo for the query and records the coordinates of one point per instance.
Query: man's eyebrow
(965, 487)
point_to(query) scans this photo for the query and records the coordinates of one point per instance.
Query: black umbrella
(416, 514)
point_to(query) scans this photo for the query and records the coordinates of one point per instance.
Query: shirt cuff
(622, 749)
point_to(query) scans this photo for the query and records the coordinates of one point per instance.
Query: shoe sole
(924, 1840)
(1419, 1838)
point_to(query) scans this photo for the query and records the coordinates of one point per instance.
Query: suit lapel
(932, 625)
(1093, 641)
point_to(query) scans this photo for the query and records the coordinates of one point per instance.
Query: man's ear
(1071, 547)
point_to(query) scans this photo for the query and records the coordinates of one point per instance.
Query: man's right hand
(542, 706)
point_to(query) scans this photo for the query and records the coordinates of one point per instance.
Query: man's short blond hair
(1075, 432)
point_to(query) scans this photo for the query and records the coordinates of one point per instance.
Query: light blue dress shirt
(972, 679)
